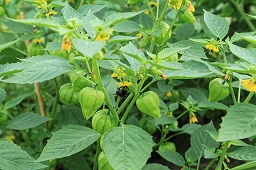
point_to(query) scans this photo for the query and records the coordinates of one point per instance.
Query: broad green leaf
(134, 64)
(239, 122)
(185, 31)
(127, 147)
(191, 154)
(194, 50)
(126, 26)
(201, 139)
(88, 48)
(249, 38)
(2, 95)
(41, 22)
(53, 46)
(5, 45)
(155, 166)
(173, 157)
(26, 120)
(247, 166)
(75, 162)
(239, 36)
(12, 68)
(70, 13)
(190, 128)
(146, 21)
(13, 102)
(84, 9)
(39, 69)
(120, 38)
(216, 24)
(196, 93)
(13, 157)
(132, 51)
(246, 153)
(164, 119)
(169, 51)
(248, 55)
(120, 16)
(67, 141)
(213, 105)
(238, 143)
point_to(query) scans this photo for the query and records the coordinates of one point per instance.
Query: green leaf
(120, 38)
(251, 16)
(126, 26)
(70, 13)
(88, 48)
(185, 31)
(190, 128)
(2, 95)
(5, 45)
(12, 68)
(84, 9)
(239, 122)
(193, 50)
(213, 105)
(216, 24)
(13, 102)
(247, 166)
(173, 157)
(38, 69)
(248, 55)
(132, 51)
(201, 139)
(246, 153)
(146, 21)
(127, 147)
(191, 155)
(155, 166)
(170, 51)
(26, 120)
(53, 46)
(134, 64)
(13, 157)
(118, 17)
(75, 162)
(41, 22)
(68, 141)
(164, 119)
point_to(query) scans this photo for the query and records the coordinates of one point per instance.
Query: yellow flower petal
(192, 119)
(190, 6)
(127, 83)
(213, 48)
(249, 85)
(175, 4)
(102, 36)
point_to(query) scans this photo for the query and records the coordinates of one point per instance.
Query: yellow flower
(66, 43)
(192, 118)
(212, 47)
(175, 4)
(168, 94)
(50, 13)
(41, 4)
(152, 4)
(37, 40)
(125, 83)
(190, 6)
(139, 35)
(102, 36)
(7, 1)
(249, 84)
(118, 73)
(147, 12)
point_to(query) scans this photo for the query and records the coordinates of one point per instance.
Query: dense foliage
(137, 84)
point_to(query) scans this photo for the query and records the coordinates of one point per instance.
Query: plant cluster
(137, 84)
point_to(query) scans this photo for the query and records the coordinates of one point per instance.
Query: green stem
(232, 91)
(95, 165)
(163, 13)
(151, 12)
(20, 51)
(210, 164)
(163, 136)
(222, 156)
(166, 37)
(137, 94)
(100, 86)
(240, 9)
(239, 92)
(249, 97)
(182, 114)
(157, 10)
(151, 82)
(176, 134)
(117, 102)
(127, 101)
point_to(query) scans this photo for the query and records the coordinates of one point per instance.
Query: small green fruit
(90, 100)
(149, 103)
(35, 48)
(218, 90)
(2, 11)
(67, 95)
(79, 81)
(102, 121)
(167, 146)
(103, 162)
